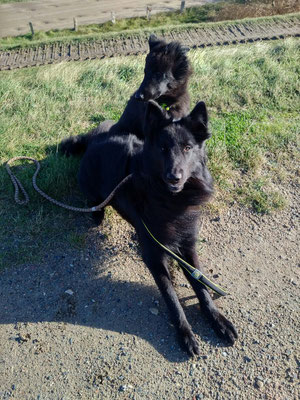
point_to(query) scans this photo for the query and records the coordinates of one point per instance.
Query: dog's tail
(76, 145)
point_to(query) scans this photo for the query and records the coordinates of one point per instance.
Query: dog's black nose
(174, 178)
(139, 96)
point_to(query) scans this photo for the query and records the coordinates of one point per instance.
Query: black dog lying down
(167, 72)
(170, 180)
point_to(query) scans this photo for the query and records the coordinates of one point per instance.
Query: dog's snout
(174, 177)
(139, 95)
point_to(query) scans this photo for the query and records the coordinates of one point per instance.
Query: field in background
(222, 11)
(251, 91)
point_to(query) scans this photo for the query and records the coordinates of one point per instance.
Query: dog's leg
(98, 216)
(222, 326)
(157, 263)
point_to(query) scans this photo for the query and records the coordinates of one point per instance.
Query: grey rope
(18, 186)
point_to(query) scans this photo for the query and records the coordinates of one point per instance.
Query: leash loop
(19, 187)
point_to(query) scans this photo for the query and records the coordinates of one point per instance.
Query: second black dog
(170, 180)
(167, 72)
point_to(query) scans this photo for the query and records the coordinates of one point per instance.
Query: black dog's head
(174, 151)
(167, 70)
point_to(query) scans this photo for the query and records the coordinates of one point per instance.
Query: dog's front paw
(224, 328)
(189, 342)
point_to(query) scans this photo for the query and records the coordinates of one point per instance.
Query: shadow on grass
(27, 231)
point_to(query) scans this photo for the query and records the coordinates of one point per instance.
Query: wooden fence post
(75, 24)
(148, 12)
(113, 17)
(182, 6)
(31, 28)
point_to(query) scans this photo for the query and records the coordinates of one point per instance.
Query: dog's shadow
(84, 292)
(60, 290)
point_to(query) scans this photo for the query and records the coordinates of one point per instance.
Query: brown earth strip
(134, 43)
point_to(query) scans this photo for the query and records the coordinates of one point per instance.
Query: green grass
(252, 93)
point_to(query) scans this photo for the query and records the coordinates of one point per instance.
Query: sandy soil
(53, 14)
(90, 324)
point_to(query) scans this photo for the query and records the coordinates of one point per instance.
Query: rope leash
(194, 272)
(18, 186)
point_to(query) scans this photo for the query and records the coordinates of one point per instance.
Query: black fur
(167, 71)
(170, 180)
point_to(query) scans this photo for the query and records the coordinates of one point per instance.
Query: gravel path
(138, 43)
(91, 324)
(54, 14)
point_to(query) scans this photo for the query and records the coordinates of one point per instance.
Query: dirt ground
(90, 324)
(54, 14)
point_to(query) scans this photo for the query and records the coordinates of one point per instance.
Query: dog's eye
(187, 148)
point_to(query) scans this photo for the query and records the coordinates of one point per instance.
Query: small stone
(153, 311)
(70, 292)
(247, 359)
(122, 388)
(224, 354)
(186, 285)
(258, 384)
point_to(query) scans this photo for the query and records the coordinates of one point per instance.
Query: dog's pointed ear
(153, 41)
(197, 122)
(154, 118)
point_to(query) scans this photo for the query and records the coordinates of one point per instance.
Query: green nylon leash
(194, 272)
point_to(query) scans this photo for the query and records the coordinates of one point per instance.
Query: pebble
(185, 285)
(258, 384)
(69, 291)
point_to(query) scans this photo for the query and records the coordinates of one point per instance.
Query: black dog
(170, 180)
(167, 72)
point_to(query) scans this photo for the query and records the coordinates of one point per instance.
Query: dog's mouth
(175, 188)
